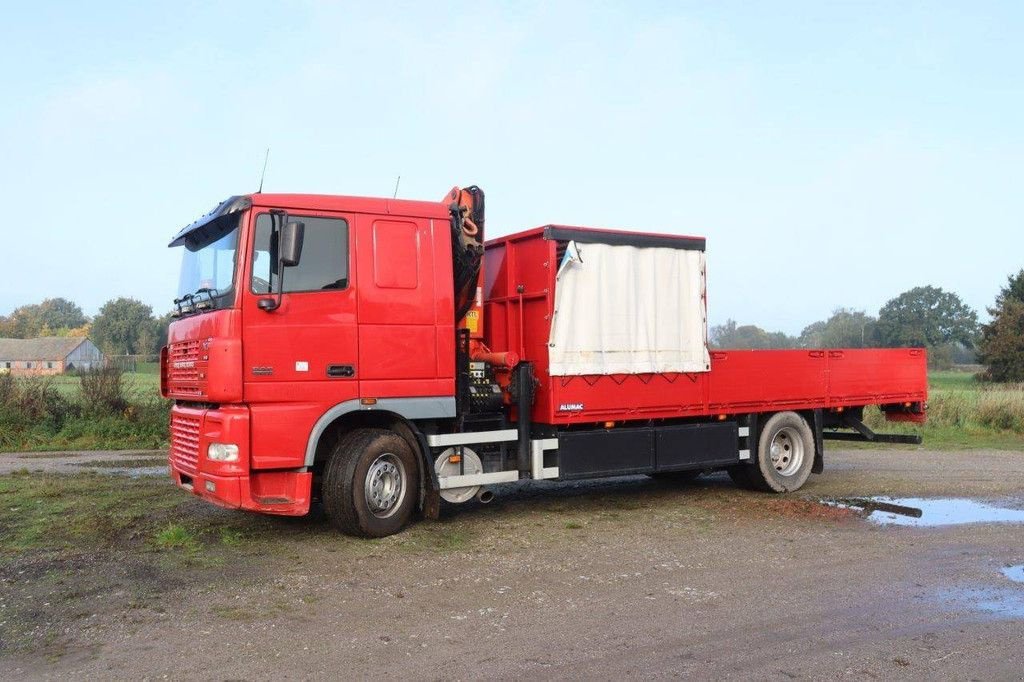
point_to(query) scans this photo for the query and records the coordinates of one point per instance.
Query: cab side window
(324, 262)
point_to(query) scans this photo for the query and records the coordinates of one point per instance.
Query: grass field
(138, 385)
(966, 413)
(55, 413)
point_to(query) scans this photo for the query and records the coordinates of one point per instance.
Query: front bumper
(230, 484)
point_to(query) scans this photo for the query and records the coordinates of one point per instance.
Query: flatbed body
(519, 304)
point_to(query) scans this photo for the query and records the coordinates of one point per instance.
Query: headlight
(222, 452)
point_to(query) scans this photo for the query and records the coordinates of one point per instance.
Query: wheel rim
(787, 451)
(385, 485)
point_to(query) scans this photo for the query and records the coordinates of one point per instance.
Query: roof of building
(45, 348)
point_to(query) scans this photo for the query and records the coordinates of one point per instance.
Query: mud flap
(819, 443)
(430, 497)
(431, 505)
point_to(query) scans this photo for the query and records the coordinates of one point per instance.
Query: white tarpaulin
(629, 310)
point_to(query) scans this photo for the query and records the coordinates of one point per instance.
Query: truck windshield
(208, 267)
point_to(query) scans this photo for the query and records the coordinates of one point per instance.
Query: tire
(785, 454)
(371, 483)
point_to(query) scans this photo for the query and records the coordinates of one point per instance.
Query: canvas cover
(629, 310)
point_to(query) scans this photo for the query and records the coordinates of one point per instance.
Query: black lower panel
(696, 446)
(590, 454)
(617, 452)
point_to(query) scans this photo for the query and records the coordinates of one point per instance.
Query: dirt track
(632, 577)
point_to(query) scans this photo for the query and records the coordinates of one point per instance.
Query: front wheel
(785, 455)
(371, 483)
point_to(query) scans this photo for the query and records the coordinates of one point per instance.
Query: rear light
(222, 452)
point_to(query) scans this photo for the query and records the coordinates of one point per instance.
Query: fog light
(211, 487)
(222, 452)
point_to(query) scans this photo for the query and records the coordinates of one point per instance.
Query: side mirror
(291, 243)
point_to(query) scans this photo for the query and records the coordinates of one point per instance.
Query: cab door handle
(341, 371)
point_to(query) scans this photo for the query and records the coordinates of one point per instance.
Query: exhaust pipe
(484, 496)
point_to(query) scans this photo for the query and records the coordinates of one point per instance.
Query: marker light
(222, 452)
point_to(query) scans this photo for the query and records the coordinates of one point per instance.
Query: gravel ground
(625, 578)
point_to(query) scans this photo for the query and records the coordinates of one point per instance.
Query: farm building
(48, 355)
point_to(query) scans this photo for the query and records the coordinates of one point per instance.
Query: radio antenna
(266, 157)
(395, 195)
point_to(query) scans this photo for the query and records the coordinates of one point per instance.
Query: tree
(77, 332)
(24, 322)
(153, 336)
(6, 328)
(1001, 347)
(120, 326)
(927, 316)
(1014, 290)
(162, 327)
(730, 335)
(48, 318)
(845, 329)
(60, 313)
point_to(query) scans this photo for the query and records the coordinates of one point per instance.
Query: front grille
(186, 369)
(185, 443)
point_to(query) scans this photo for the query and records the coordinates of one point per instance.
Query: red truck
(378, 356)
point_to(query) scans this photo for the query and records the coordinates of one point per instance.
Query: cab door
(302, 358)
(405, 342)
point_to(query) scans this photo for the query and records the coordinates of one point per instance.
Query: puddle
(1015, 573)
(927, 512)
(998, 602)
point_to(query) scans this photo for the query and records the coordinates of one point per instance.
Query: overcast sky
(833, 154)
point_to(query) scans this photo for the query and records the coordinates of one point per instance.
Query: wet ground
(125, 462)
(922, 512)
(616, 579)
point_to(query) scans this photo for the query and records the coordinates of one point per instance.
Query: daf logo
(570, 407)
(184, 364)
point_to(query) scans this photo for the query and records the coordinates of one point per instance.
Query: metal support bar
(443, 440)
(875, 437)
(864, 434)
(448, 482)
(537, 448)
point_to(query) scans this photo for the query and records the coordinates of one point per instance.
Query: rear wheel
(370, 484)
(785, 454)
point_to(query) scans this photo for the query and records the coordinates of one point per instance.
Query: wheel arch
(399, 414)
(394, 414)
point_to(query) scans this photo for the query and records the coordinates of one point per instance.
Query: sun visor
(213, 225)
